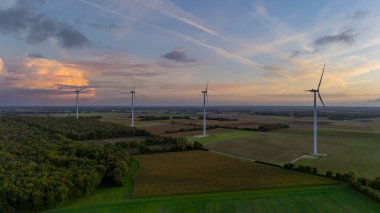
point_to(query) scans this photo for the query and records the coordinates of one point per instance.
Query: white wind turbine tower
(205, 99)
(77, 91)
(316, 91)
(133, 93)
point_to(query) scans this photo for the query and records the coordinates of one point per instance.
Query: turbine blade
(320, 81)
(206, 97)
(320, 98)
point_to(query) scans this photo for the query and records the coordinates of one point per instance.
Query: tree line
(366, 186)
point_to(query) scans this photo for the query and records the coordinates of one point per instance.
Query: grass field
(346, 150)
(223, 135)
(166, 173)
(328, 198)
(202, 171)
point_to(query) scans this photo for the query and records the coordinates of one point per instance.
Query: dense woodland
(42, 163)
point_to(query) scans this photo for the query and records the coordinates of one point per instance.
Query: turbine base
(317, 155)
(200, 136)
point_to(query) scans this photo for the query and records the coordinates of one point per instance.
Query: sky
(249, 52)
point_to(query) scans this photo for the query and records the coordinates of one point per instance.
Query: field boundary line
(297, 159)
(232, 156)
(374, 128)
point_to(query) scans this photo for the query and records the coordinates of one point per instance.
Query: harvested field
(202, 171)
(346, 150)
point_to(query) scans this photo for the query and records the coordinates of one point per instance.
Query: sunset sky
(250, 52)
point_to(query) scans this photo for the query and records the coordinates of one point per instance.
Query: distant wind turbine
(316, 91)
(77, 91)
(205, 99)
(133, 93)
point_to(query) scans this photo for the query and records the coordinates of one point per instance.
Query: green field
(346, 150)
(328, 198)
(224, 135)
(201, 171)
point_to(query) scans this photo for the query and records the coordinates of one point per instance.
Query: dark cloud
(178, 56)
(359, 14)
(39, 27)
(35, 55)
(103, 26)
(295, 53)
(347, 37)
(376, 100)
(70, 37)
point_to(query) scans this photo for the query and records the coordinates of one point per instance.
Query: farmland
(345, 150)
(329, 198)
(168, 181)
(339, 139)
(274, 188)
(201, 171)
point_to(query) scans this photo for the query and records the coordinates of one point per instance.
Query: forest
(42, 163)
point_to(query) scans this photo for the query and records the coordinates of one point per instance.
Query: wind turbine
(133, 93)
(315, 92)
(205, 99)
(77, 91)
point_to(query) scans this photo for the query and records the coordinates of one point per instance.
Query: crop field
(346, 150)
(223, 135)
(327, 198)
(349, 144)
(202, 171)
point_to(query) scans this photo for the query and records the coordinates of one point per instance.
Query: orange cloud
(1, 67)
(45, 77)
(46, 73)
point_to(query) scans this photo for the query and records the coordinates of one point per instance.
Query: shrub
(376, 183)
(314, 171)
(270, 127)
(364, 181)
(329, 174)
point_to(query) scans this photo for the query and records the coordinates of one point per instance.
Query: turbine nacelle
(312, 90)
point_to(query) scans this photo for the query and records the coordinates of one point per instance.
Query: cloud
(42, 73)
(1, 67)
(103, 26)
(375, 100)
(178, 56)
(171, 10)
(224, 53)
(35, 55)
(22, 17)
(295, 53)
(359, 14)
(347, 37)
